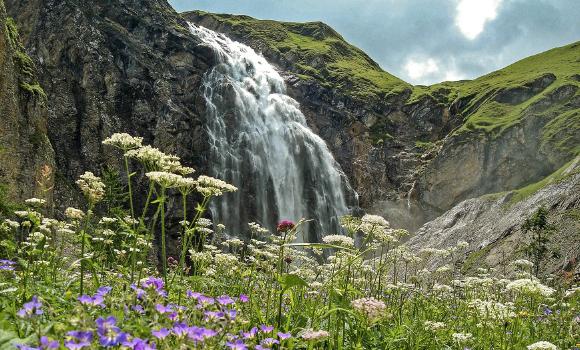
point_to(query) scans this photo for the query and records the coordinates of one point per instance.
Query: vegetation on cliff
(315, 51)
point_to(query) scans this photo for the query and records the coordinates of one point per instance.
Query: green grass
(317, 52)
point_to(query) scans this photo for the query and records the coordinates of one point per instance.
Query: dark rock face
(131, 66)
(25, 152)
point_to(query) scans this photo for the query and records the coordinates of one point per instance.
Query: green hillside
(315, 51)
(545, 85)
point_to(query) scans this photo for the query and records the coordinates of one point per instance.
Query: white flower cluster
(209, 186)
(123, 141)
(492, 310)
(257, 229)
(91, 186)
(311, 335)
(155, 160)
(523, 264)
(165, 179)
(542, 345)
(434, 326)
(35, 202)
(339, 240)
(74, 214)
(529, 286)
(372, 308)
(462, 337)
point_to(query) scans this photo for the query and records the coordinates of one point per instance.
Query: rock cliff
(26, 155)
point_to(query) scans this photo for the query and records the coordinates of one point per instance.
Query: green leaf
(288, 281)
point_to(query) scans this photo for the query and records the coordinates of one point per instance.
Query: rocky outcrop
(124, 66)
(492, 225)
(26, 155)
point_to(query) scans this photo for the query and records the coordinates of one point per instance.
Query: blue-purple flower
(284, 336)
(78, 339)
(225, 300)
(31, 308)
(109, 333)
(237, 345)
(161, 333)
(139, 344)
(266, 329)
(96, 300)
(7, 265)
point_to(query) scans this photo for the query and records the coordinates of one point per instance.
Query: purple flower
(46, 343)
(204, 301)
(138, 309)
(140, 292)
(78, 339)
(97, 300)
(7, 262)
(162, 309)
(213, 316)
(102, 291)
(109, 333)
(155, 284)
(139, 344)
(225, 300)
(180, 329)
(266, 329)
(284, 336)
(7, 268)
(251, 334)
(237, 345)
(33, 307)
(160, 334)
(192, 295)
(244, 298)
(547, 311)
(269, 342)
(199, 334)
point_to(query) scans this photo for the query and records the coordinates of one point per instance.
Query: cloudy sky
(427, 41)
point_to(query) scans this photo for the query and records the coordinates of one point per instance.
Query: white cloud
(453, 75)
(472, 15)
(417, 69)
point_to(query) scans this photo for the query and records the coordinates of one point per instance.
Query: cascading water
(260, 142)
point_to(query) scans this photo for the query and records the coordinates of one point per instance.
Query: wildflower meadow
(118, 272)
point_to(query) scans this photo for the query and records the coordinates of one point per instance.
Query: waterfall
(259, 142)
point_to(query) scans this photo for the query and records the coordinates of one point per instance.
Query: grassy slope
(317, 52)
(485, 114)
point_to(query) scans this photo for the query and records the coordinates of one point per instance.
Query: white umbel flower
(339, 240)
(35, 202)
(91, 186)
(311, 335)
(542, 345)
(165, 179)
(529, 286)
(372, 308)
(123, 141)
(209, 186)
(74, 214)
